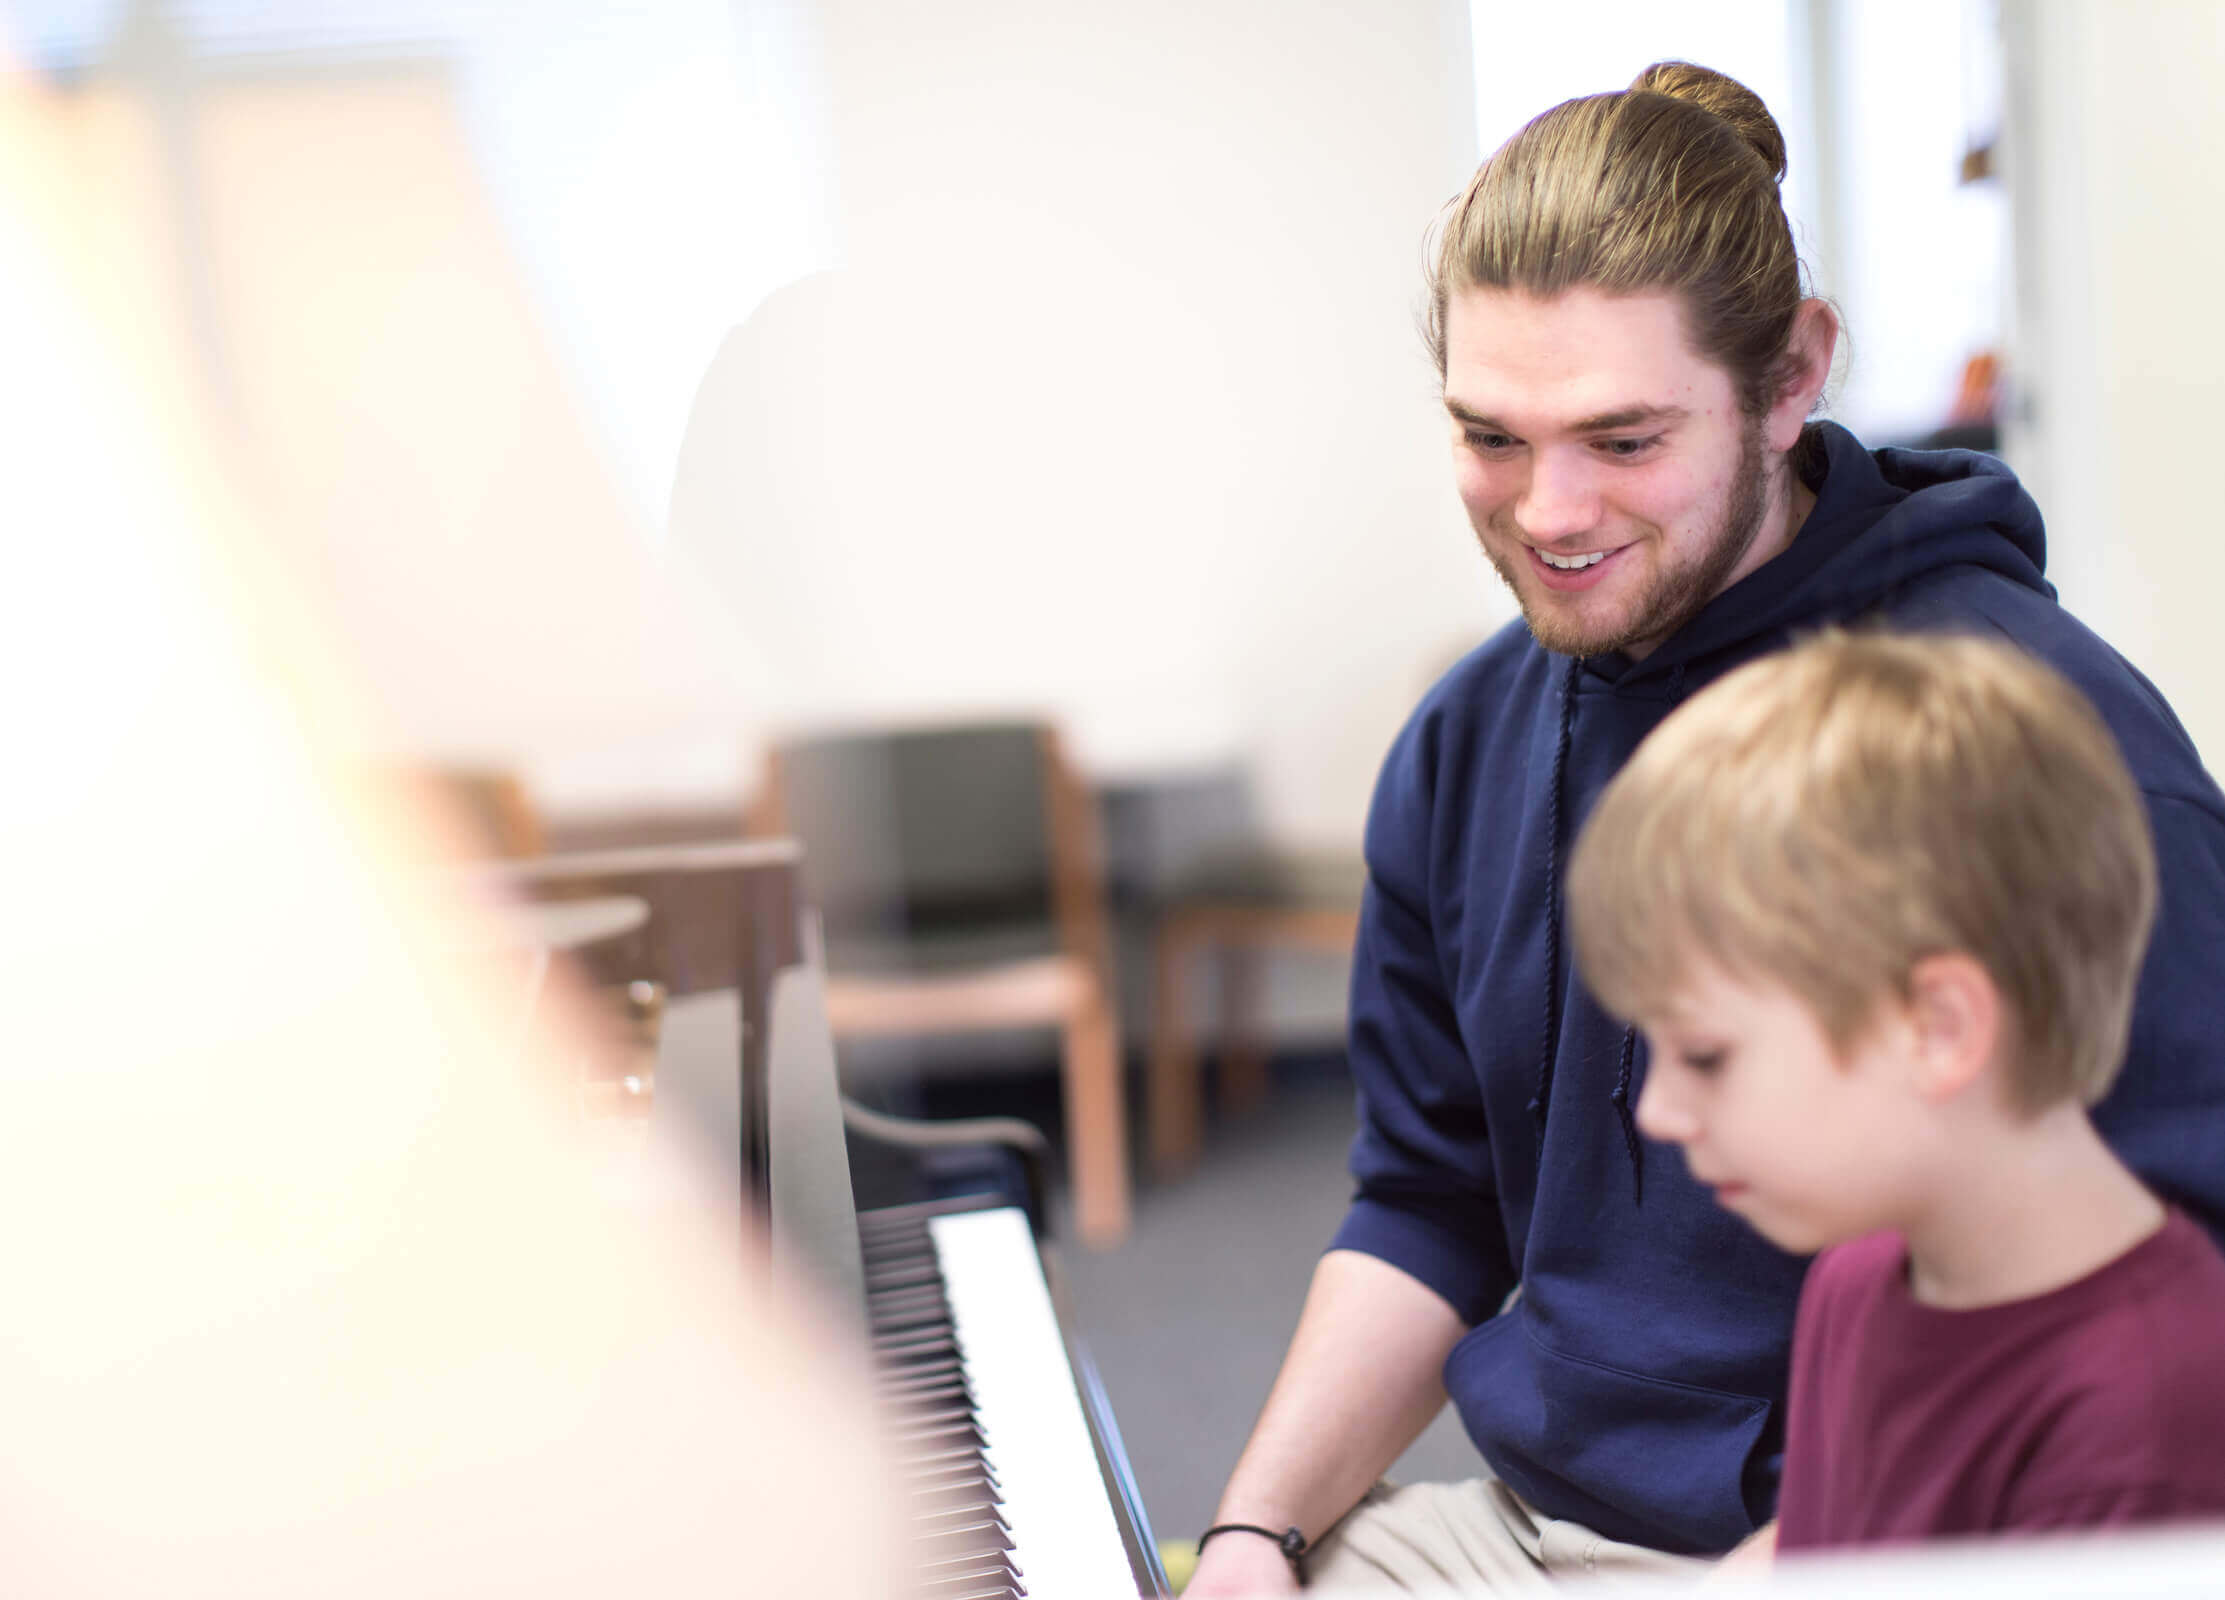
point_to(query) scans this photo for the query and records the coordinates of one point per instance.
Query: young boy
(1879, 905)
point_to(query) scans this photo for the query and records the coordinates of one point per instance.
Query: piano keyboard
(1007, 1501)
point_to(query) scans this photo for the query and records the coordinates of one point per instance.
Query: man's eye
(1627, 449)
(1703, 1062)
(1488, 442)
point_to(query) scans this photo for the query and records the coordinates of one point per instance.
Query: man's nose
(1560, 500)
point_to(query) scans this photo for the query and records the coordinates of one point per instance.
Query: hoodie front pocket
(1647, 1460)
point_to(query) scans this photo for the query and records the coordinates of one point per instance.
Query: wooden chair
(497, 806)
(957, 872)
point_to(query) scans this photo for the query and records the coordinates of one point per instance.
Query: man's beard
(1675, 595)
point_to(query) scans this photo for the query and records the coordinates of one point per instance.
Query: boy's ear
(1954, 1010)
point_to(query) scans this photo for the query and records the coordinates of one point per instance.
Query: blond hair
(1827, 817)
(1670, 184)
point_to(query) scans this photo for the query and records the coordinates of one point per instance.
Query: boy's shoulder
(2096, 1404)
(2138, 1402)
(2132, 1350)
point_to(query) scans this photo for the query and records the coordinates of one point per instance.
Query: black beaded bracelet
(1290, 1541)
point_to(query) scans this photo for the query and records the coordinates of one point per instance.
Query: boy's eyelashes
(1700, 1058)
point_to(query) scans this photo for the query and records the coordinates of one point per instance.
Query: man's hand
(1236, 1565)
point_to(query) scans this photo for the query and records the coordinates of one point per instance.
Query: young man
(1879, 905)
(1629, 365)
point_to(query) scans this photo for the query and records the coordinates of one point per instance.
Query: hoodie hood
(1883, 521)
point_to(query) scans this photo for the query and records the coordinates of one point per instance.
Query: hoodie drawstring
(1622, 1098)
(1544, 1096)
(1625, 1101)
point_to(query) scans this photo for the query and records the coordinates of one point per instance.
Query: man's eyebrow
(1630, 417)
(1604, 422)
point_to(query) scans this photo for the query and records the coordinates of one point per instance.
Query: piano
(1014, 1478)
(1015, 1483)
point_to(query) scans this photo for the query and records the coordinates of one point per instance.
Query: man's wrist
(1290, 1540)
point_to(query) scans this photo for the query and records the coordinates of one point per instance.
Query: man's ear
(1815, 339)
(1954, 1010)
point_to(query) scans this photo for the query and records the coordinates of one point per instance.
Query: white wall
(1117, 408)
(2116, 146)
(1918, 263)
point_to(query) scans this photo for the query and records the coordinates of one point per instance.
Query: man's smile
(1575, 570)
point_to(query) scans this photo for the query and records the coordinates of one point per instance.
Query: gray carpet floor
(1188, 1320)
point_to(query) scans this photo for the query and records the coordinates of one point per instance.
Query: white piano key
(1066, 1542)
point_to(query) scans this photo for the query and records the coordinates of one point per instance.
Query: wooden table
(1285, 904)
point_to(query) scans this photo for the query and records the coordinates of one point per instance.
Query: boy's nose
(1662, 1113)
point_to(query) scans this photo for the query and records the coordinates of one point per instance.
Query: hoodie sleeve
(1426, 1198)
(2166, 1113)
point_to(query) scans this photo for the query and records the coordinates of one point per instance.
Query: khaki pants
(1472, 1538)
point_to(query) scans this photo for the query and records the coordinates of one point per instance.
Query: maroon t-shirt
(2099, 1403)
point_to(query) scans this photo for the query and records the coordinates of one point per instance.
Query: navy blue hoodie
(1636, 1383)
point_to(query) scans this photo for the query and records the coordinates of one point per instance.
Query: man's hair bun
(1727, 98)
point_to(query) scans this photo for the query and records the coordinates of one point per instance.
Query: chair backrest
(489, 807)
(922, 830)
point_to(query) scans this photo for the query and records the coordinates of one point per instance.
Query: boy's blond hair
(1828, 816)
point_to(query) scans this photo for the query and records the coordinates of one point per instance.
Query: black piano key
(920, 1478)
(922, 1374)
(910, 1274)
(911, 1351)
(971, 1589)
(893, 1219)
(908, 1348)
(943, 1457)
(905, 1278)
(922, 1420)
(922, 1316)
(904, 1407)
(955, 1516)
(906, 1303)
(966, 1538)
(976, 1490)
(888, 1221)
(922, 1381)
(886, 1239)
(906, 1330)
(878, 1292)
(916, 1403)
(971, 1490)
(994, 1566)
(938, 1523)
(942, 1435)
